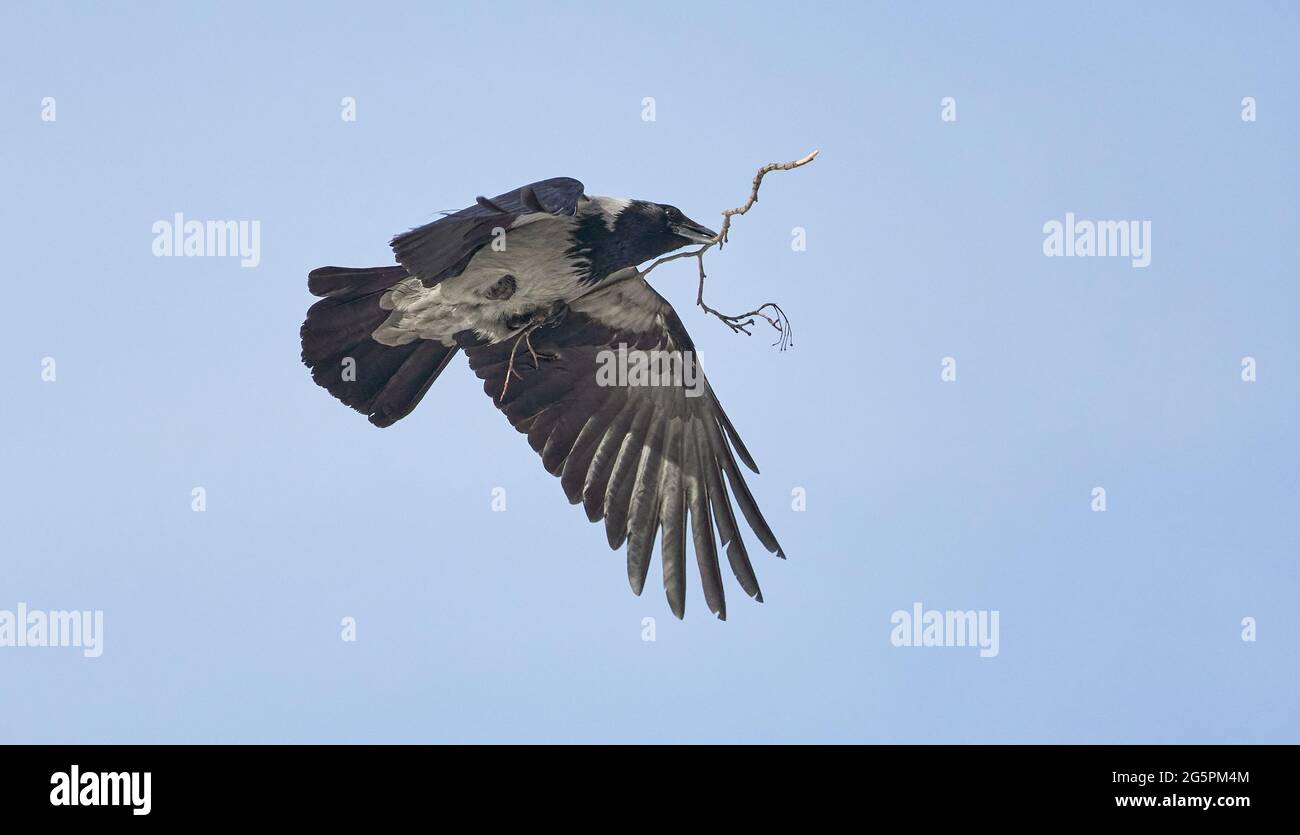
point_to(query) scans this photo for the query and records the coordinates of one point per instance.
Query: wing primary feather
(560, 443)
(744, 498)
(618, 495)
(706, 552)
(643, 514)
(574, 474)
(602, 463)
(672, 518)
(732, 433)
(737, 555)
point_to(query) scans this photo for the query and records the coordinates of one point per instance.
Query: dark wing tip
(557, 196)
(488, 204)
(736, 444)
(530, 199)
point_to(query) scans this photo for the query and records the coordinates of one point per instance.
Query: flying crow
(538, 286)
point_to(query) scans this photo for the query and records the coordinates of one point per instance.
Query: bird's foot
(536, 320)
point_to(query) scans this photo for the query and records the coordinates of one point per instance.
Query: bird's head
(653, 229)
(619, 233)
(683, 228)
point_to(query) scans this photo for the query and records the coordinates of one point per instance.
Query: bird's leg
(548, 317)
(510, 363)
(528, 340)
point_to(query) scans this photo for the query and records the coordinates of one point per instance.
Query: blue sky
(924, 241)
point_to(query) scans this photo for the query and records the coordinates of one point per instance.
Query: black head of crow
(539, 287)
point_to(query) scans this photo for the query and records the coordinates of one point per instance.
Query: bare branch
(741, 323)
(676, 256)
(769, 312)
(753, 194)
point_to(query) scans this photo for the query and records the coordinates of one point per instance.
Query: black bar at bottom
(336, 782)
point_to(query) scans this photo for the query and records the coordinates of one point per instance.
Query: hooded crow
(538, 286)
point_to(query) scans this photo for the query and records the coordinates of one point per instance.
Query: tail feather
(353, 282)
(384, 382)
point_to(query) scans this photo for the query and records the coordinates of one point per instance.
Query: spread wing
(642, 457)
(441, 249)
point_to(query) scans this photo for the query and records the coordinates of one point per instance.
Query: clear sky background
(924, 240)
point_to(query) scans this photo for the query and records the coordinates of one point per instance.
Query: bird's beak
(693, 232)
